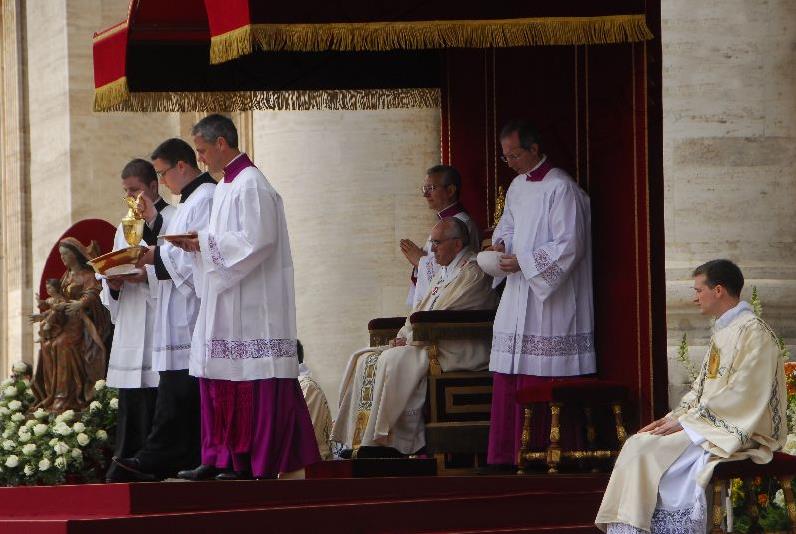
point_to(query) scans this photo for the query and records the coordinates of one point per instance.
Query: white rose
(62, 429)
(20, 367)
(102, 435)
(52, 442)
(7, 433)
(99, 386)
(10, 391)
(24, 438)
(4, 411)
(14, 405)
(29, 393)
(94, 406)
(12, 461)
(60, 462)
(29, 470)
(77, 454)
(61, 447)
(78, 427)
(39, 413)
(9, 445)
(17, 417)
(82, 439)
(114, 403)
(40, 429)
(30, 423)
(44, 464)
(67, 416)
(7, 382)
(28, 449)
(790, 444)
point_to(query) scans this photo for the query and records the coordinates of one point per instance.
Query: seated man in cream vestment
(384, 388)
(734, 411)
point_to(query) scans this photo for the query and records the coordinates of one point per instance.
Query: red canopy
(193, 35)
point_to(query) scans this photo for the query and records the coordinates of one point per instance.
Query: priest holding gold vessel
(132, 310)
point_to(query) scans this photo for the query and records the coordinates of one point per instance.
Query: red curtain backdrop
(590, 104)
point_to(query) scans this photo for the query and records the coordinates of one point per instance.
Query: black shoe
(133, 468)
(234, 475)
(203, 472)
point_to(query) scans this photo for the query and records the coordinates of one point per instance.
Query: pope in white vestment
(734, 411)
(384, 388)
(544, 325)
(427, 266)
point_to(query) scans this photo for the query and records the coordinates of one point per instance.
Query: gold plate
(129, 255)
(176, 237)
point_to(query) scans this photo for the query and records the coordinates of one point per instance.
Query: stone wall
(729, 103)
(350, 182)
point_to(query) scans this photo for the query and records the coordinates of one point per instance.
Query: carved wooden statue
(74, 323)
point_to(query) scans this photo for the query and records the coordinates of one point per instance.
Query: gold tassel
(375, 36)
(220, 101)
(111, 94)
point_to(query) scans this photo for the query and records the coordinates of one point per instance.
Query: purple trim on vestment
(538, 174)
(450, 211)
(235, 166)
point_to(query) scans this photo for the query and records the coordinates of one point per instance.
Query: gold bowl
(124, 256)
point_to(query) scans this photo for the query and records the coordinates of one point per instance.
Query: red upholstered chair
(782, 467)
(587, 392)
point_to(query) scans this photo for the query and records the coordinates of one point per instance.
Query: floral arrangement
(41, 448)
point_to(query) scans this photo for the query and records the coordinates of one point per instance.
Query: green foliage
(685, 361)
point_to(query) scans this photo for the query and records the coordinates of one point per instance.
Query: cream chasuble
(133, 314)
(178, 302)
(383, 389)
(427, 266)
(544, 324)
(734, 411)
(246, 327)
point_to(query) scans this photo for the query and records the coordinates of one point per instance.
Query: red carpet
(533, 504)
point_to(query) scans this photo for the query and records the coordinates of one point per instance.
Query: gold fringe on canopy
(118, 98)
(431, 34)
(111, 94)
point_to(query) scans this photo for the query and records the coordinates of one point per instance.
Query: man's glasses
(426, 189)
(435, 242)
(161, 173)
(510, 157)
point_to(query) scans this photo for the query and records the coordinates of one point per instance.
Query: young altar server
(132, 311)
(544, 326)
(254, 418)
(174, 442)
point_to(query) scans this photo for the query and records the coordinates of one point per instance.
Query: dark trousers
(175, 440)
(133, 423)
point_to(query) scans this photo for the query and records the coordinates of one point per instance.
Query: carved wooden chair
(459, 402)
(586, 392)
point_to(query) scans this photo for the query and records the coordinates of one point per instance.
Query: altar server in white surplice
(544, 325)
(132, 309)
(734, 411)
(255, 422)
(441, 189)
(383, 390)
(174, 441)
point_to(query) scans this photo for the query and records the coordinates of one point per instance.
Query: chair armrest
(383, 329)
(452, 324)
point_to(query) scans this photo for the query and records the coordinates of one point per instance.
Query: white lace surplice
(246, 328)
(544, 324)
